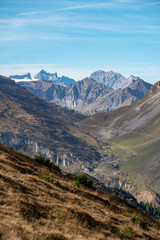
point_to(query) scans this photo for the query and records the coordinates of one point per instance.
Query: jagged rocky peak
(133, 78)
(87, 80)
(155, 88)
(21, 77)
(43, 75)
(113, 79)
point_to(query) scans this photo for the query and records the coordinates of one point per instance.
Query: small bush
(39, 158)
(46, 161)
(129, 230)
(139, 221)
(47, 178)
(76, 183)
(125, 214)
(82, 179)
(143, 225)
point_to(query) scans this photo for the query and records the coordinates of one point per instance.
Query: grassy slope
(39, 203)
(134, 131)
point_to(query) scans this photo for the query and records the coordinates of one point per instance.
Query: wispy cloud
(112, 3)
(29, 13)
(155, 3)
(86, 6)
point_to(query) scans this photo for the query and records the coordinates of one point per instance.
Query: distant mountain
(21, 77)
(76, 96)
(113, 79)
(43, 75)
(120, 98)
(87, 96)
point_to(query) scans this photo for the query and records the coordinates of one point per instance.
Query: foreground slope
(39, 203)
(133, 132)
(30, 124)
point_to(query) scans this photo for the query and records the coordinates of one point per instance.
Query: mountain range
(111, 79)
(43, 75)
(88, 96)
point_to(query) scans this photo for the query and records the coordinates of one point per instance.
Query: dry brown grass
(32, 208)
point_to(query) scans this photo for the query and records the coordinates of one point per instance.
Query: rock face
(154, 89)
(88, 96)
(112, 79)
(30, 124)
(21, 77)
(43, 75)
(121, 97)
(31, 147)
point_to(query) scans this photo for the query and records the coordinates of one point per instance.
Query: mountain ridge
(43, 75)
(113, 79)
(88, 96)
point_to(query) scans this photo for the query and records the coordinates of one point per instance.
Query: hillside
(40, 203)
(87, 96)
(133, 134)
(30, 124)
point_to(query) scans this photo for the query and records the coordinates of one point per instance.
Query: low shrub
(76, 183)
(125, 214)
(139, 221)
(82, 179)
(47, 178)
(46, 162)
(129, 230)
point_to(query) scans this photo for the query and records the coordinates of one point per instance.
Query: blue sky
(75, 38)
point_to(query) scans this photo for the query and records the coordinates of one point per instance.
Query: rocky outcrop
(30, 147)
(154, 89)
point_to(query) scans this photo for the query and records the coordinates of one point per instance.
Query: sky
(76, 38)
